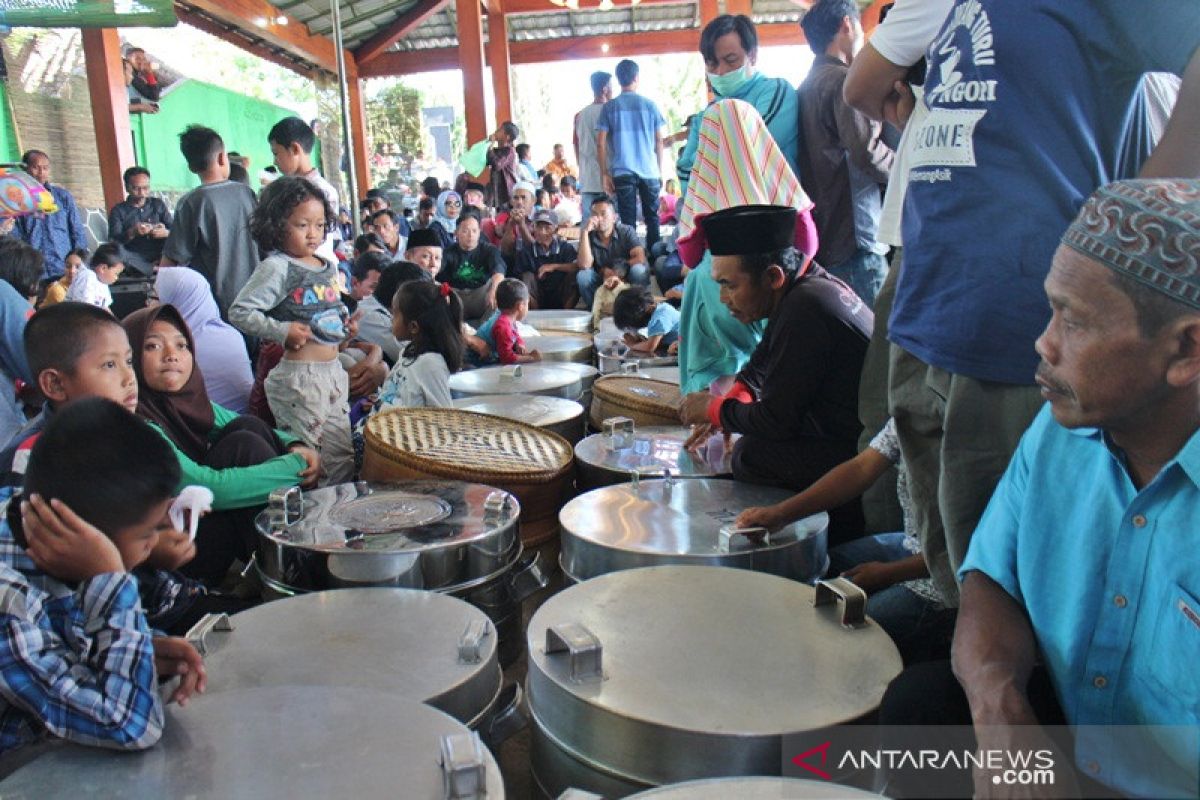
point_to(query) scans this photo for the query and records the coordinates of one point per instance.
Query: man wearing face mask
(729, 45)
(843, 160)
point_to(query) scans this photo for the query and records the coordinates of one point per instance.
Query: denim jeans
(864, 272)
(920, 628)
(631, 188)
(590, 279)
(587, 198)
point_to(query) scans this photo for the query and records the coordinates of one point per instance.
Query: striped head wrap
(738, 163)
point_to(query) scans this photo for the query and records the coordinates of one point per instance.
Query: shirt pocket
(1175, 652)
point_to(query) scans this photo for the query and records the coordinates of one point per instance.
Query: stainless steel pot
(755, 789)
(555, 380)
(613, 456)
(587, 376)
(655, 676)
(418, 645)
(666, 374)
(446, 536)
(615, 356)
(565, 417)
(673, 521)
(280, 743)
(560, 320)
(555, 347)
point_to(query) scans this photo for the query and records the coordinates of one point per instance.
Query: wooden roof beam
(403, 25)
(261, 19)
(546, 7)
(408, 62)
(235, 38)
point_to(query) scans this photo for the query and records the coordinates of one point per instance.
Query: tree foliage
(394, 121)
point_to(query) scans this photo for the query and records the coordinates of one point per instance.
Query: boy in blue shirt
(77, 659)
(634, 309)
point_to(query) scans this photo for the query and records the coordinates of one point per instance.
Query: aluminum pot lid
(586, 372)
(559, 342)
(651, 450)
(677, 517)
(408, 517)
(559, 319)
(532, 409)
(422, 646)
(689, 650)
(532, 379)
(754, 789)
(280, 742)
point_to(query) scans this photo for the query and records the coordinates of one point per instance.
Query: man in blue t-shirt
(1033, 104)
(629, 147)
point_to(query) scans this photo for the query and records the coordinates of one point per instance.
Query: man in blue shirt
(629, 147)
(1084, 561)
(54, 235)
(1002, 161)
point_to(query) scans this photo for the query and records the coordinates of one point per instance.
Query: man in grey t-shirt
(591, 182)
(211, 232)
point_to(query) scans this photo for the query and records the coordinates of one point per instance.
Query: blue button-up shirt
(55, 234)
(1110, 578)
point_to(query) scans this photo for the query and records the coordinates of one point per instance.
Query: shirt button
(1100, 682)
(1139, 521)
(1093, 768)
(1119, 601)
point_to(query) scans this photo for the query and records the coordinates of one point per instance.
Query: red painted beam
(110, 109)
(403, 25)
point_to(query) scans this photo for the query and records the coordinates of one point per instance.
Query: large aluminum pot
(673, 521)
(587, 376)
(556, 414)
(447, 536)
(556, 380)
(282, 743)
(554, 319)
(555, 346)
(418, 645)
(655, 676)
(755, 789)
(616, 454)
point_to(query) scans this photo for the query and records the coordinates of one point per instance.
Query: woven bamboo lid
(641, 394)
(466, 446)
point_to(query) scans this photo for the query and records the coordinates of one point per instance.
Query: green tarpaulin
(87, 13)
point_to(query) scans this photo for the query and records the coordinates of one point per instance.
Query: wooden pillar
(497, 50)
(870, 15)
(470, 61)
(358, 130)
(738, 7)
(708, 12)
(110, 109)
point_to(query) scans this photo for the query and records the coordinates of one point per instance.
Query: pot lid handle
(286, 505)
(579, 794)
(470, 644)
(464, 767)
(198, 635)
(511, 373)
(852, 598)
(630, 368)
(618, 432)
(585, 653)
(756, 535)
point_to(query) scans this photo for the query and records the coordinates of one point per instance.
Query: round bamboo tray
(646, 402)
(535, 465)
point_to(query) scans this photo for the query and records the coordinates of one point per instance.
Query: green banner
(87, 13)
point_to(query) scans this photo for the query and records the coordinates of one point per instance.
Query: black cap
(749, 230)
(424, 237)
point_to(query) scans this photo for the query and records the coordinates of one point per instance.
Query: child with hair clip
(293, 298)
(427, 321)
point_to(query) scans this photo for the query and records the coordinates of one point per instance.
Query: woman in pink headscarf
(737, 163)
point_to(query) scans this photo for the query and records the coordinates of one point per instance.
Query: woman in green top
(239, 458)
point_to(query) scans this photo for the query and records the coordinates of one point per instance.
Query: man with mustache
(1080, 593)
